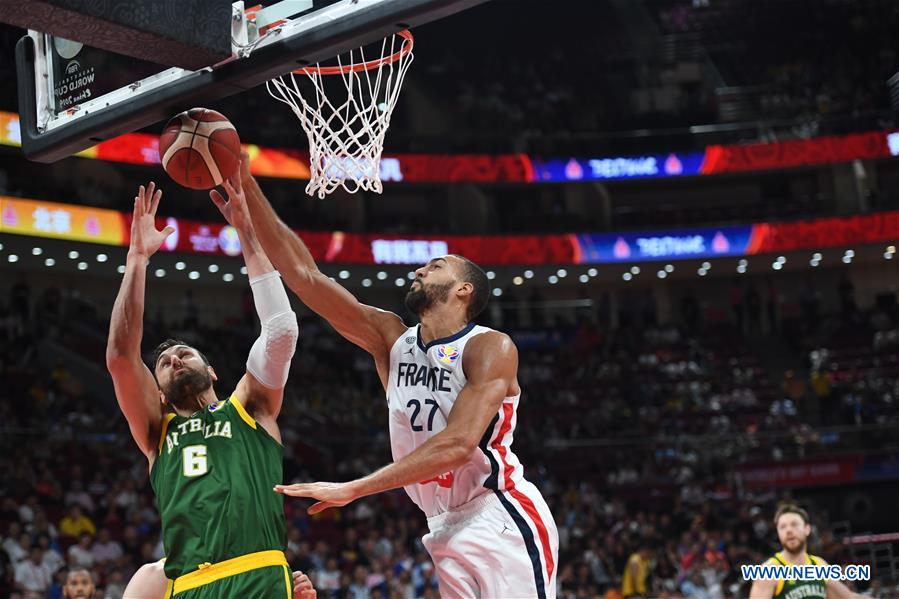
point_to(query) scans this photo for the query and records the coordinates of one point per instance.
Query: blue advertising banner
(881, 466)
(681, 244)
(629, 167)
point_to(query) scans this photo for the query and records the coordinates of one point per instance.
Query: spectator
(115, 585)
(80, 554)
(636, 574)
(76, 523)
(32, 577)
(20, 551)
(52, 559)
(328, 580)
(358, 589)
(76, 495)
(27, 510)
(105, 548)
(12, 543)
(42, 526)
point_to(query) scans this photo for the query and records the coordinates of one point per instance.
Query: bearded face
(423, 296)
(184, 387)
(78, 585)
(183, 375)
(793, 532)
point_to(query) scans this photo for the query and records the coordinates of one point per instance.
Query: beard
(183, 391)
(795, 546)
(425, 297)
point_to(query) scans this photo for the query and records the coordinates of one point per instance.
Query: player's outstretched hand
(327, 494)
(302, 586)
(234, 209)
(145, 238)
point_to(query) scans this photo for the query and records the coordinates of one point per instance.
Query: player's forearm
(438, 455)
(126, 325)
(277, 239)
(254, 255)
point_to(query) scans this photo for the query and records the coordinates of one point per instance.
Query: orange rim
(405, 49)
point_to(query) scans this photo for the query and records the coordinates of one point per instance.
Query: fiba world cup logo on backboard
(447, 354)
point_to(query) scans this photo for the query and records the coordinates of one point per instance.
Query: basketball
(199, 148)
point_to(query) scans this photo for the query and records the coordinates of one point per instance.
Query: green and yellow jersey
(213, 479)
(799, 589)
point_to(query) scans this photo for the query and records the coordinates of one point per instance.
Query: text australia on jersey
(219, 428)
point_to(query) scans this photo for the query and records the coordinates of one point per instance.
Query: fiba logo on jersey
(447, 354)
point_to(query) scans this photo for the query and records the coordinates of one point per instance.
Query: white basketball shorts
(500, 545)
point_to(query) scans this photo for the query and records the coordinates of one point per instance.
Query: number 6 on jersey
(193, 460)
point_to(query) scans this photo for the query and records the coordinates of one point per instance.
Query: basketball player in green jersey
(793, 529)
(212, 463)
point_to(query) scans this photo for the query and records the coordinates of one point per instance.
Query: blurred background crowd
(636, 435)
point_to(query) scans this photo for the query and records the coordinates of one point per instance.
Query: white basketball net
(346, 133)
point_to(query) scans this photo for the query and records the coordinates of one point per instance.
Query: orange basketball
(199, 148)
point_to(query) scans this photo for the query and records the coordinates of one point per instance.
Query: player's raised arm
(370, 328)
(135, 388)
(491, 364)
(262, 389)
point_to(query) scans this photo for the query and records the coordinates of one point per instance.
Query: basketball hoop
(346, 133)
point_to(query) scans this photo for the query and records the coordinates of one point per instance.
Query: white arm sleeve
(269, 359)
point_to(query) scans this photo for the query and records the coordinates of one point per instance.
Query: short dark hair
(791, 508)
(78, 570)
(172, 343)
(474, 274)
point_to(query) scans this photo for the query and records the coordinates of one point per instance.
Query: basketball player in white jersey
(452, 392)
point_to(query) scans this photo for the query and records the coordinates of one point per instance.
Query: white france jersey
(423, 385)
